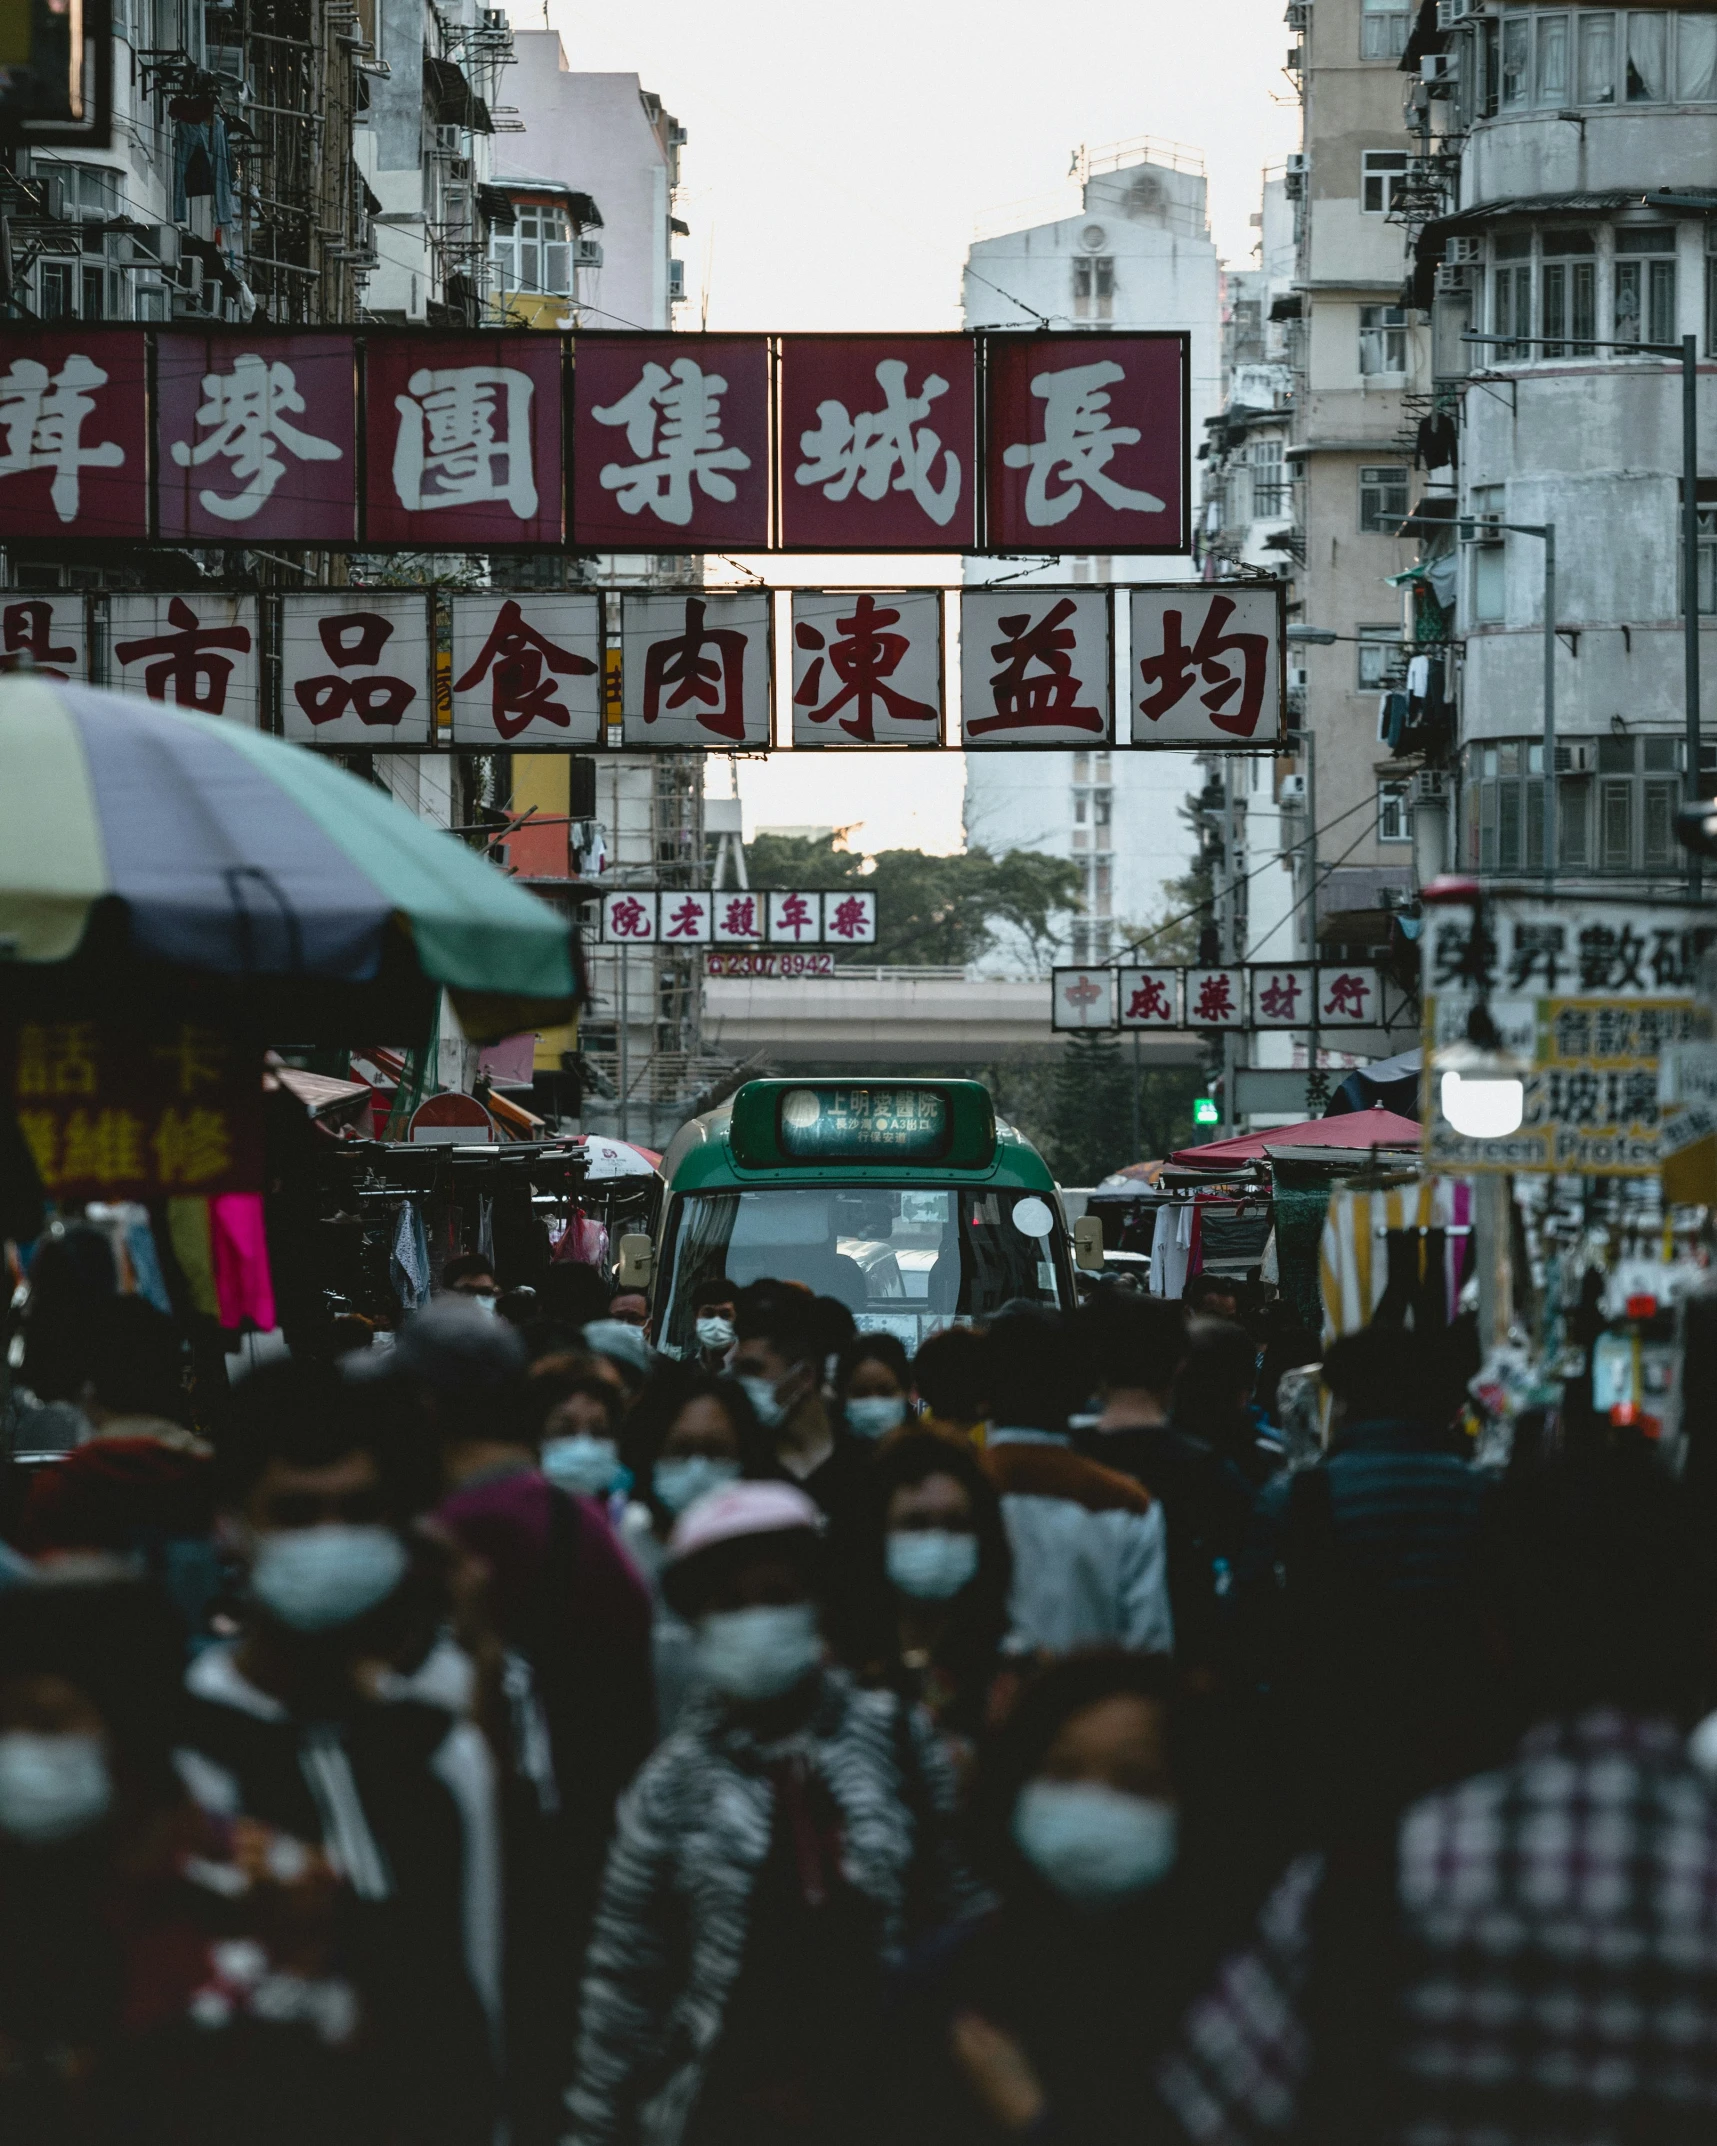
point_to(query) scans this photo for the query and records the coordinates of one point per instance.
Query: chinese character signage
(740, 919)
(1035, 667)
(462, 440)
(1082, 998)
(48, 631)
(686, 918)
(354, 667)
(1087, 446)
(1206, 665)
(867, 667)
(1215, 998)
(1282, 998)
(1349, 998)
(878, 443)
(671, 442)
(113, 1112)
(1150, 998)
(72, 431)
(863, 1124)
(698, 671)
(527, 669)
(629, 917)
(197, 652)
(795, 919)
(256, 437)
(849, 919)
(1589, 996)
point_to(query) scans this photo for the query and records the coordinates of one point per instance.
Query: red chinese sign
(1216, 998)
(849, 919)
(527, 669)
(1349, 998)
(740, 919)
(354, 667)
(867, 668)
(671, 442)
(462, 440)
(1087, 443)
(116, 1112)
(1207, 664)
(72, 433)
(878, 443)
(46, 632)
(256, 437)
(1082, 998)
(1282, 998)
(197, 651)
(698, 671)
(1150, 998)
(1035, 667)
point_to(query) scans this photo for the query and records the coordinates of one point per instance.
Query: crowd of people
(497, 1731)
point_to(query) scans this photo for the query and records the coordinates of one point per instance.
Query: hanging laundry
(1355, 1255)
(1418, 678)
(188, 1233)
(486, 1228)
(146, 1261)
(408, 1263)
(244, 1287)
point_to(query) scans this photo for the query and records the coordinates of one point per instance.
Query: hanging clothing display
(244, 1288)
(1432, 1217)
(408, 1263)
(188, 1232)
(1171, 1249)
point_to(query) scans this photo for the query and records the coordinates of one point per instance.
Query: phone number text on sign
(789, 966)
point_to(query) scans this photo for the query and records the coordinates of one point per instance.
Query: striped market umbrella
(132, 834)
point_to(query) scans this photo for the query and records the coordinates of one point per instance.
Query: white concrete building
(1132, 251)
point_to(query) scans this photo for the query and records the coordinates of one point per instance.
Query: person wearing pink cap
(774, 1858)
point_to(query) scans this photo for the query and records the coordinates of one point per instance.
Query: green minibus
(906, 1199)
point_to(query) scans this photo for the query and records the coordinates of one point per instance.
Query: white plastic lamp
(1482, 1092)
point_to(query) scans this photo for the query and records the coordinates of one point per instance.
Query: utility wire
(1324, 870)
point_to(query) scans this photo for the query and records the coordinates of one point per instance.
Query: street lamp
(1483, 1086)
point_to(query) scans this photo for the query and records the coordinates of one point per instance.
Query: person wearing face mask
(470, 1274)
(712, 1323)
(872, 1384)
(689, 1435)
(284, 1725)
(773, 1859)
(778, 1358)
(1041, 2019)
(579, 1443)
(926, 1608)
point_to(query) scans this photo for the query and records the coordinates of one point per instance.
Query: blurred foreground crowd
(512, 1735)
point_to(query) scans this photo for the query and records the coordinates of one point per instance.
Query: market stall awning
(232, 855)
(1361, 1129)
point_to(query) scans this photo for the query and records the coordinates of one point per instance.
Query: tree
(1077, 1107)
(930, 910)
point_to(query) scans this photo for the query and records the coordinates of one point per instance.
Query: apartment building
(1572, 223)
(1129, 248)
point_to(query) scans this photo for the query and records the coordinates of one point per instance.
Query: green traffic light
(1206, 1111)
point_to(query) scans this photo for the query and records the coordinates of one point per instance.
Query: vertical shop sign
(671, 442)
(1086, 443)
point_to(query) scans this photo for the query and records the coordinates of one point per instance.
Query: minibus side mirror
(637, 1261)
(1088, 1244)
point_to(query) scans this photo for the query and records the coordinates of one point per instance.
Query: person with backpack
(774, 1858)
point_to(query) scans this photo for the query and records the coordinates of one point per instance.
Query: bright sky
(837, 161)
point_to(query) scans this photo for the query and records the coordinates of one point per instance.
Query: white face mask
(759, 1653)
(581, 1463)
(875, 1415)
(315, 1578)
(931, 1564)
(486, 1305)
(1095, 1844)
(52, 1786)
(714, 1333)
(769, 1411)
(680, 1483)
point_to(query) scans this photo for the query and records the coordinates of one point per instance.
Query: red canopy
(1374, 1128)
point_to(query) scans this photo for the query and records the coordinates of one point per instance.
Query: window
(1382, 339)
(1516, 62)
(1707, 555)
(1511, 293)
(536, 255)
(1489, 586)
(1379, 657)
(1382, 498)
(1696, 58)
(1645, 284)
(1711, 290)
(1648, 55)
(1094, 287)
(1568, 303)
(56, 288)
(1271, 491)
(1383, 30)
(1551, 75)
(1381, 173)
(1394, 812)
(1597, 59)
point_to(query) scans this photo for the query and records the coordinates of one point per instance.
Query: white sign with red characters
(629, 917)
(740, 920)
(1034, 668)
(46, 631)
(1206, 666)
(686, 918)
(1150, 998)
(849, 919)
(1282, 998)
(1216, 998)
(1082, 998)
(795, 919)
(1349, 998)
(354, 667)
(698, 671)
(527, 668)
(196, 651)
(867, 667)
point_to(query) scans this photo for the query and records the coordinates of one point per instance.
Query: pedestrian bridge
(895, 1017)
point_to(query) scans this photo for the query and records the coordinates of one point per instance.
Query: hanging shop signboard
(356, 675)
(867, 667)
(197, 651)
(48, 631)
(690, 917)
(878, 443)
(1206, 664)
(1587, 996)
(120, 1111)
(1036, 668)
(527, 669)
(256, 438)
(428, 439)
(1246, 996)
(698, 672)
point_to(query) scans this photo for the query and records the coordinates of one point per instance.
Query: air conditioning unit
(1462, 247)
(1428, 786)
(1449, 12)
(676, 282)
(459, 168)
(587, 253)
(1441, 69)
(1291, 795)
(1299, 14)
(446, 140)
(1453, 278)
(1580, 758)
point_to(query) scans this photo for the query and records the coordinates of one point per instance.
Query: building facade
(1134, 251)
